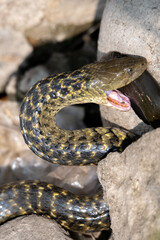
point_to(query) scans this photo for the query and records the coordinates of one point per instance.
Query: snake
(93, 83)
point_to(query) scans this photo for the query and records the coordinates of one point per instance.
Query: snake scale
(92, 83)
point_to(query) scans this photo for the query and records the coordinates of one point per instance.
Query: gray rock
(14, 48)
(31, 77)
(32, 228)
(129, 120)
(131, 180)
(132, 27)
(131, 183)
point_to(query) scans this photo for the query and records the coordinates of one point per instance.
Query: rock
(131, 180)
(14, 48)
(17, 162)
(20, 17)
(31, 77)
(32, 228)
(51, 59)
(50, 20)
(73, 116)
(132, 28)
(129, 120)
(131, 183)
(38, 23)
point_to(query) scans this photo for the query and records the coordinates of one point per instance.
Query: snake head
(116, 73)
(119, 72)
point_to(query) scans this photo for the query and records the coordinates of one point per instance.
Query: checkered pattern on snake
(65, 147)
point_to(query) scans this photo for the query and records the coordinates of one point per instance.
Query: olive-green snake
(92, 83)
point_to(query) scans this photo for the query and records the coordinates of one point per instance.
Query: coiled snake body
(91, 83)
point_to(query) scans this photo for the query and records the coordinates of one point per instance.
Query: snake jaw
(118, 100)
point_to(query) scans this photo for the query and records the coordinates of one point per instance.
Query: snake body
(91, 83)
(79, 213)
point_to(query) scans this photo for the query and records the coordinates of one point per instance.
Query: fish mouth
(118, 100)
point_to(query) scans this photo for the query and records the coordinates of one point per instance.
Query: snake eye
(130, 71)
